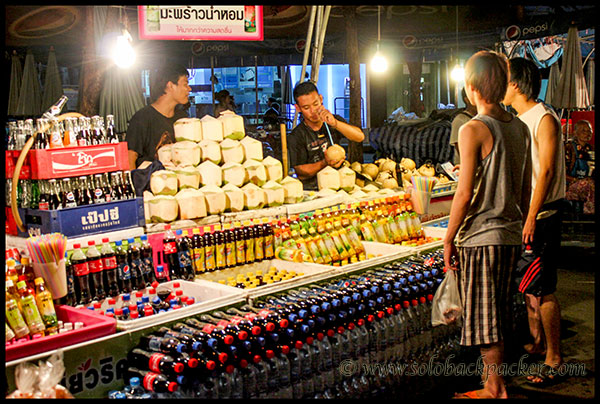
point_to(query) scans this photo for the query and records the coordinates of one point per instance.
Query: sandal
(549, 375)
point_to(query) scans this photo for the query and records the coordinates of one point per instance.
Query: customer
(225, 102)
(308, 142)
(580, 182)
(152, 126)
(542, 229)
(487, 213)
(459, 120)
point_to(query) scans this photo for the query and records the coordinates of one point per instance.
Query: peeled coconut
(370, 188)
(328, 177)
(187, 177)
(210, 174)
(254, 197)
(274, 193)
(233, 173)
(335, 153)
(232, 151)
(252, 148)
(326, 192)
(234, 198)
(388, 166)
(233, 125)
(407, 163)
(163, 208)
(216, 200)
(293, 190)
(210, 150)
(371, 170)
(212, 128)
(147, 195)
(347, 178)
(256, 171)
(356, 167)
(188, 129)
(192, 204)
(358, 194)
(185, 153)
(164, 154)
(163, 182)
(274, 168)
(390, 183)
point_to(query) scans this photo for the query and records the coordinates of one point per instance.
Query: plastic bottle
(155, 361)
(170, 253)
(219, 239)
(134, 256)
(134, 389)
(249, 242)
(152, 381)
(147, 260)
(15, 318)
(81, 272)
(259, 241)
(11, 272)
(312, 247)
(94, 261)
(161, 276)
(269, 242)
(30, 310)
(27, 271)
(71, 298)
(209, 250)
(198, 257)
(45, 305)
(123, 269)
(230, 260)
(184, 256)
(240, 244)
(109, 262)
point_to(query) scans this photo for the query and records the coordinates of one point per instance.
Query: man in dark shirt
(152, 126)
(310, 139)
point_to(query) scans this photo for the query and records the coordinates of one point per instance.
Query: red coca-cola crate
(11, 161)
(11, 225)
(77, 161)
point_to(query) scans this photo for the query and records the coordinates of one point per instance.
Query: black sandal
(549, 375)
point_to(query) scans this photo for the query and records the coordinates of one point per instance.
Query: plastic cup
(55, 275)
(420, 201)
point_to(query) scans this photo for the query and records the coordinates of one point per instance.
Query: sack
(446, 305)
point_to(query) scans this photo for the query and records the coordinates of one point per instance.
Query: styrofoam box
(317, 203)
(274, 212)
(207, 295)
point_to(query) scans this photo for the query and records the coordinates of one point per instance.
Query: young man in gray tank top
(487, 214)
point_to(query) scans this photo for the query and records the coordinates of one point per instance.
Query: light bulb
(123, 53)
(458, 73)
(379, 63)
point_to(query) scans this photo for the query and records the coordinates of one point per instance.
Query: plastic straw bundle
(421, 195)
(47, 248)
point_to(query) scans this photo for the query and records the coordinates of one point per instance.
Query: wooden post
(355, 149)
(284, 154)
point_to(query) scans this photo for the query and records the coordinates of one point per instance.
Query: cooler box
(88, 219)
(95, 326)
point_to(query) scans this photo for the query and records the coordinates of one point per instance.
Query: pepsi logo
(98, 192)
(300, 45)
(513, 32)
(409, 41)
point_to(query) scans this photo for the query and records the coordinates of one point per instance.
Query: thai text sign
(222, 23)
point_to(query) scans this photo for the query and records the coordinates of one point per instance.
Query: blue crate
(89, 219)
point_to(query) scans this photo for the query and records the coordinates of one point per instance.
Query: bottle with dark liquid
(209, 250)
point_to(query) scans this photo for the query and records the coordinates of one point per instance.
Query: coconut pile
(214, 168)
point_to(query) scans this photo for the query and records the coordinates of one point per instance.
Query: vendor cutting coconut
(310, 147)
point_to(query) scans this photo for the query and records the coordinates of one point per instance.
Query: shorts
(536, 269)
(485, 284)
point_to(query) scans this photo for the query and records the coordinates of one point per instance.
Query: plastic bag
(26, 377)
(42, 381)
(446, 305)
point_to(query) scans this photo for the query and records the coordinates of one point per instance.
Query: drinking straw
(47, 248)
(329, 133)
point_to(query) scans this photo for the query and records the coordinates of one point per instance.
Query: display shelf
(274, 213)
(317, 203)
(183, 224)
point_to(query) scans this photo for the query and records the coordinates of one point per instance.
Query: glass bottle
(67, 195)
(98, 190)
(56, 140)
(54, 201)
(111, 135)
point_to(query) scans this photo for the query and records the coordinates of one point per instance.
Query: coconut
(234, 173)
(163, 208)
(326, 192)
(188, 129)
(408, 163)
(212, 128)
(163, 182)
(185, 153)
(356, 167)
(216, 200)
(347, 178)
(274, 193)
(382, 176)
(335, 153)
(252, 148)
(254, 197)
(164, 154)
(274, 168)
(328, 177)
(370, 188)
(390, 183)
(232, 151)
(234, 201)
(292, 190)
(147, 195)
(256, 171)
(371, 170)
(210, 174)
(233, 125)
(187, 177)
(388, 166)
(210, 150)
(192, 204)
(358, 194)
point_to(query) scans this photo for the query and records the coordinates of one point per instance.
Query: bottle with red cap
(153, 381)
(96, 268)
(170, 253)
(155, 361)
(166, 345)
(109, 262)
(81, 272)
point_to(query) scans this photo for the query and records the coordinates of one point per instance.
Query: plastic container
(96, 326)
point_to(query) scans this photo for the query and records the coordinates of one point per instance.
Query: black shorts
(536, 270)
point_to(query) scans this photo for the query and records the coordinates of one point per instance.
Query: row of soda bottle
(71, 192)
(70, 132)
(292, 345)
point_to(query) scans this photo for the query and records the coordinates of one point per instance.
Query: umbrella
(16, 76)
(590, 79)
(30, 100)
(571, 91)
(121, 96)
(553, 79)
(53, 89)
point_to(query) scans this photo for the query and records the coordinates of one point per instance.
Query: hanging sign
(219, 23)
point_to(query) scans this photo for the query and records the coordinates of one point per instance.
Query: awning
(16, 76)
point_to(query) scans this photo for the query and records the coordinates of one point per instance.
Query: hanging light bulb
(379, 63)
(123, 54)
(458, 73)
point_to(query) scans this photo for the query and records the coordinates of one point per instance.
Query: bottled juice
(320, 245)
(11, 272)
(353, 237)
(219, 237)
(380, 233)
(329, 243)
(209, 250)
(400, 220)
(304, 222)
(30, 310)
(249, 242)
(416, 222)
(240, 244)
(198, 248)
(229, 247)
(277, 230)
(382, 218)
(287, 254)
(394, 230)
(269, 243)
(348, 245)
(27, 271)
(312, 247)
(45, 305)
(301, 245)
(366, 229)
(259, 242)
(14, 317)
(11, 290)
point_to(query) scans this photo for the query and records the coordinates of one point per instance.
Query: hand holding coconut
(335, 156)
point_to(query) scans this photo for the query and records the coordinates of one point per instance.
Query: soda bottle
(170, 253)
(67, 195)
(165, 345)
(45, 304)
(183, 256)
(54, 201)
(94, 262)
(259, 242)
(81, 272)
(85, 196)
(240, 244)
(111, 135)
(109, 262)
(249, 242)
(15, 318)
(230, 261)
(134, 255)
(161, 275)
(155, 361)
(219, 239)
(123, 270)
(152, 381)
(116, 193)
(71, 297)
(30, 310)
(209, 250)
(198, 251)
(128, 188)
(147, 260)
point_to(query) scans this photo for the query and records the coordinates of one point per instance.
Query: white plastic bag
(446, 305)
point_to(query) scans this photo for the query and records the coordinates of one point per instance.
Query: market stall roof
(16, 75)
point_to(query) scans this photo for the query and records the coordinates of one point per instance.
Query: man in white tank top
(541, 231)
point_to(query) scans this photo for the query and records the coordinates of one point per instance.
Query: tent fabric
(30, 99)
(571, 91)
(121, 96)
(544, 56)
(590, 79)
(16, 77)
(553, 79)
(53, 89)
